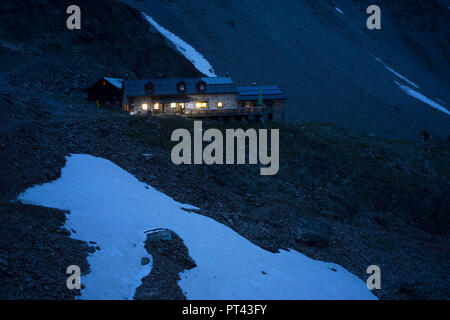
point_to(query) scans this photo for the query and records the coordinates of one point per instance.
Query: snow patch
(184, 48)
(111, 207)
(398, 74)
(417, 95)
(339, 10)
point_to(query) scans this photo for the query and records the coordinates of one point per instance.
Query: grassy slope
(339, 172)
(340, 196)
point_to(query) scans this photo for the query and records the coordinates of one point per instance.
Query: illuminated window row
(205, 105)
(201, 105)
(174, 105)
(156, 106)
(145, 106)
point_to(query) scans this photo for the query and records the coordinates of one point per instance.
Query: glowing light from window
(220, 104)
(156, 106)
(201, 105)
(144, 106)
(173, 105)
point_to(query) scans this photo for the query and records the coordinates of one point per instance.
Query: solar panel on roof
(257, 91)
(217, 80)
(253, 93)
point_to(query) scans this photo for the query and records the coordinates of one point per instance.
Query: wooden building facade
(105, 91)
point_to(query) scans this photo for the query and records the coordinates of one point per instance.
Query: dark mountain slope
(112, 36)
(45, 66)
(340, 196)
(325, 60)
(43, 69)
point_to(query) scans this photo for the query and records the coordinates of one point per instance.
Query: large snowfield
(111, 207)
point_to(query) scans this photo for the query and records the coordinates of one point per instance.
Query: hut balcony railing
(225, 112)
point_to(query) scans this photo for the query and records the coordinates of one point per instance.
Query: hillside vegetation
(344, 173)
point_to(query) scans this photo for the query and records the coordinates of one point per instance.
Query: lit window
(144, 106)
(182, 105)
(156, 106)
(173, 105)
(201, 105)
(104, 83)
(220, 104)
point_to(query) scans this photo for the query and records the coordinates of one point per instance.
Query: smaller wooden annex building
(105, 91)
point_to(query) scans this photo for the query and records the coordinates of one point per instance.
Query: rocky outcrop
(170, 258)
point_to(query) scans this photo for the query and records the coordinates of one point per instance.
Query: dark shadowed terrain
(325, 60)
(342, 196)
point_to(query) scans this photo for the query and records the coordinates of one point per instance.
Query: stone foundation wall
(138, 102)
(229, 101)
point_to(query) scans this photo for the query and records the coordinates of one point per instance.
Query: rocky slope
(42, 62)
(325, 60)
(44, 68)
(340, 195)
(360, 202)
